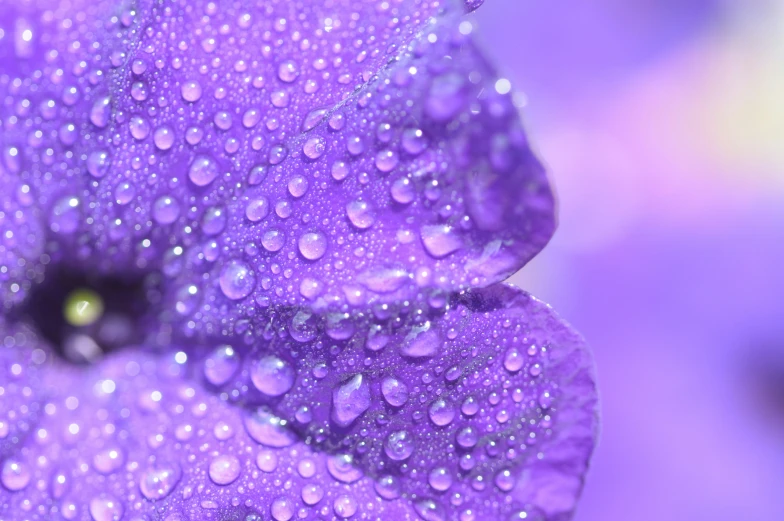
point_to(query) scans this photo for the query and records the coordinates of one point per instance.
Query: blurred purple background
(662, 124)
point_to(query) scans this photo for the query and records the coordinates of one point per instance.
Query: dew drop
(272, 376)
(394, 391)
(224, 469)
(237, 279)
(98, 163)
(282, 509)
(342, 468)
(440, 240)
(106, 508)
(314, 147)
(163, 137)
(399, 445)
(268, 429)
(350, 400)
(386, 160)
(312, 245)
(257, 208)
(15, 475)
(159, 481)
(166, 209)
(221, 365)
(441, 412)
(203, 171)
(139, 127)
(360, 214)
(191, 91)
(288, 71)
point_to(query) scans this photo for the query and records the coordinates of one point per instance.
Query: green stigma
(82, 307)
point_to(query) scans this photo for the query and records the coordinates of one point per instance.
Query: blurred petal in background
(662, 124)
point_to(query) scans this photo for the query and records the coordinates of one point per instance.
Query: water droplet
(222, 120)
(221, 365)
(65, 215)
(467, 437)
(191, 91)
(360, 214)
(98, 163)
(312, 245)
(402, 190)
(441, 412)
(158, 481)
(312, 494)
(395, 392)
(314, 147)
(203, 171)
(342, 468)
(139, 127)
(414, 141)
(163, 137)
(282, 509)
(344, 506)
(350, 400)
(257, 208)
(267, 461)
(272, 376)
(388, 487)
(224, 469)
(505, 480)
(268, 429)
(513, 360)
(421, 341)
(440, 479)
(106, 508)
(214, 220)
(297, 186)
(237, 279)
(440, 240)
(386, 160)
(166, 209)
(429, 510)
(399, 445)
(272, 240)
(288, 71)
(15, 475)
(447, 97)
(101, 111)
(108, 460)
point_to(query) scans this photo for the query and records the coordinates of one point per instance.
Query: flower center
(86, 316)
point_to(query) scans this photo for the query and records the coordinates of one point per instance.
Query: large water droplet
(15, 475)
(282, 509)
(312, 245)
(399, 445)
(421, 341)
(360, 214)
(388, 487)
(268, 429)
(166, 209)
(98, 163)
(108, 460)
(101, 111)
(106, 508)
(440, 479)
(272, 376)
(344, 506)
(342, 468)
(224, 469)
(203, 171)
(237, 279)
(350, 400)
(191, 91)
(395, 392)
(440, 240)
(314, 147)
(288, 71)
(257, 208)
(158, 481)
(221, 365)
(163, 137)
(441, 412)
(65, 215)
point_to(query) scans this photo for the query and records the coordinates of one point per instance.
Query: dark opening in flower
(85, 316)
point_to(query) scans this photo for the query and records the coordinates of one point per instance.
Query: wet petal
(340, 153)
(487, 401)
(500, 419)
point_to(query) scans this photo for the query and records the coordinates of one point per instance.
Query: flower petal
(498, 420)
(340, 153)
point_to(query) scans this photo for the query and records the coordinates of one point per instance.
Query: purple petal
(341, 154)
(499, 419)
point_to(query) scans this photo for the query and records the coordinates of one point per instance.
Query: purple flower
(277, 233)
